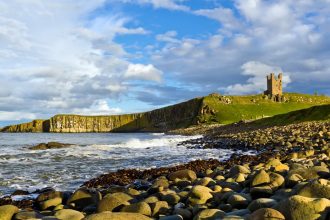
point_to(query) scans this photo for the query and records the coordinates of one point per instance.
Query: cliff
(159, 120)
(213, 108)
(171, 117)
(33, 126)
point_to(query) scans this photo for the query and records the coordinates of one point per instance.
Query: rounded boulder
(266, 214)
(69, 214)
(183, 174)
(140, 207)
(82, 198)
(199, 195)
(210, 214)
(299, 207)
(7, 212)
(117, 216)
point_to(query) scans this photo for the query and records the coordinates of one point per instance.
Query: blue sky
(123, 56)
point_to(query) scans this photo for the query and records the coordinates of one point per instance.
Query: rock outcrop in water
(50, 145)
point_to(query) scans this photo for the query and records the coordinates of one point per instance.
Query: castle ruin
(274, 85)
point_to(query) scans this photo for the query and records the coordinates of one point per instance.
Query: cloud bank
(56, 60)
(112, 56)
(263, 36)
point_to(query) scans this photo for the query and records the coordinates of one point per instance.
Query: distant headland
(214, 108)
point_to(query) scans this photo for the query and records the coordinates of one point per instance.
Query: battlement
(274, 85)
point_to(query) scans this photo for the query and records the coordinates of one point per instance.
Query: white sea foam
(120, 150)
(140, 143)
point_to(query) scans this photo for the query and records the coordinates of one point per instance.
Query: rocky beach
(288, 178)
(164, 110)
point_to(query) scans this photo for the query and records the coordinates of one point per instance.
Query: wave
(146, 143)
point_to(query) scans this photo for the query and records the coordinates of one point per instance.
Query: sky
(123, 56)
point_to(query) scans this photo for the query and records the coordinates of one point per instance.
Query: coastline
(281, 180)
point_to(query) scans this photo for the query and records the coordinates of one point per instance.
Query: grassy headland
(230, 109)
(211, 109)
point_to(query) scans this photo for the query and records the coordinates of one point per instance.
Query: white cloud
(224, 15)
(116, 88)
(15, 116)
(168, 37)
(215, 41)
(289, 34)
(57, 59)
(167, 4)
(275, 14)
(13, 33)
(143, 72)
(60, 56)
(241, 40)
(257, 72)
(138, 30)
(99, 107)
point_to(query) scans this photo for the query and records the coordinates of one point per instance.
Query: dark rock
(171, 198)
(20, 193)
(185, 213)
(50, 145)
(261, 203)
(239, 200)
(24, 215)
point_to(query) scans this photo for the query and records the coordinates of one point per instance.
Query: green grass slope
(315, 113)
(229, 109)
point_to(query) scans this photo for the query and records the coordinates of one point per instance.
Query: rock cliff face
(159, 120)
(33, 126)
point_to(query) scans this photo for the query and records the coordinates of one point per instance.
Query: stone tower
(274, 85)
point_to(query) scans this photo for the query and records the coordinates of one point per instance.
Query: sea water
(92, 154)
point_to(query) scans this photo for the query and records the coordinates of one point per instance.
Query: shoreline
(289, 177)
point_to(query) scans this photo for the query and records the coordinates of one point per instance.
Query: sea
(93, 154)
